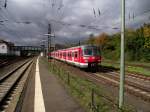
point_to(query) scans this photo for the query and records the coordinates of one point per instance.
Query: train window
(3, 47)
(76, 55)
(70, 54)
(64, 54)
(94, 51)
(88, 52)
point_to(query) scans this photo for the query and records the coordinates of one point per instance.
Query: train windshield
(91, 51)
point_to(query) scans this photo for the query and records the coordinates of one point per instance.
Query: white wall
(3, 48)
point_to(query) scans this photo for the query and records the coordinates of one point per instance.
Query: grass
(139, 70)
(89, 95)
(134, 69)
(133, 63)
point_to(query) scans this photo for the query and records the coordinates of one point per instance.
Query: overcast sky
(26, 21)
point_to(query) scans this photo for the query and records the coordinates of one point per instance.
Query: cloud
(28, 19)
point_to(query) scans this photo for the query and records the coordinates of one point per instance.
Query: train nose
(92, 59)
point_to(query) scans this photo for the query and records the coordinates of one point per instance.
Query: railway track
(138, 86)
(129, 74)
(131, 87)
(12, 84)
(135, 86)
(6, 62)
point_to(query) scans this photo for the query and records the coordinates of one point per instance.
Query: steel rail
(11, 72)
(10, 81)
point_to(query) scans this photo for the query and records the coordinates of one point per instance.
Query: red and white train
(85, 56)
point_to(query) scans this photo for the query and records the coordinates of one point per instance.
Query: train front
(91, 56)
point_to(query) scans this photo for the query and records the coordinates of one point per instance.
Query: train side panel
(77, 57)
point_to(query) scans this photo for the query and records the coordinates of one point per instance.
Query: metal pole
(79, 43)
(48, 46)
(49, 40)
(54, 47)
(122, 60)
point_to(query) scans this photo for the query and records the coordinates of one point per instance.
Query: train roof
(82, 46)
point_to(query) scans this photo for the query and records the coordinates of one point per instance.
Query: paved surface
(55, 97)
(28, 103)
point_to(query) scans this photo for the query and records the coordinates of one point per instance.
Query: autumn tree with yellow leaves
(137, 44)
(101, 40)
(147, 35)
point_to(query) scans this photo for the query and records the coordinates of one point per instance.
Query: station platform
(46, 94)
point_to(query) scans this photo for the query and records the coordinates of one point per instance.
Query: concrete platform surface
(53, 95)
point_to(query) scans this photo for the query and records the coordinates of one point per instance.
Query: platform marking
(38, 99)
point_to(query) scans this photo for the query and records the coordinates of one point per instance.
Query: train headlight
(86, 60)
(93, 57)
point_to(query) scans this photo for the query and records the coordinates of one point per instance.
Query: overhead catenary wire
(12, 20)
(91, 27)
(134, 17)
(5, 4)
(96, 12)
(80, 25)
(57, 8)
(99, 12)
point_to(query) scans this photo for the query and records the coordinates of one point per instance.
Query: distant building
(5, 47)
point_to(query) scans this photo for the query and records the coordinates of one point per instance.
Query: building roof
(7, 43)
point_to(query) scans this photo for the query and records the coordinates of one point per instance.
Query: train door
(69, 56)
(80, 56)
(72, 56)
(76, 57)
